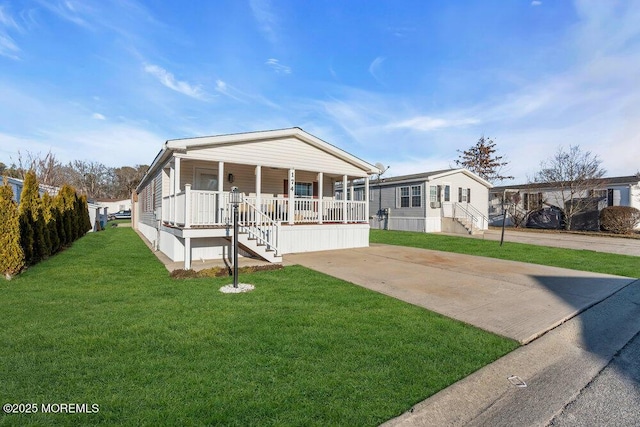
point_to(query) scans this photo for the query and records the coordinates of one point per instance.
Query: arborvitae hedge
(51, 222)
(31, 213)
(11, 253)
(39, 226)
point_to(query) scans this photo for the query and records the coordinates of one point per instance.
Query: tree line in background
(39, 226)
(91, 178)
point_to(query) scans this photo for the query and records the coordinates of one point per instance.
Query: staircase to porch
(473, 221)
(257, 233)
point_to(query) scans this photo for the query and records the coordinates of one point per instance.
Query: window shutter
(459, 194)
(468, 195)
(397, 197)
(315, 189)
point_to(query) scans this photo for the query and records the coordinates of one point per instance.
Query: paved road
(612, 398)
(554, 368)
(615, 245)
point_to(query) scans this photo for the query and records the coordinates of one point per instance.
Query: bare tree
(482, 160)
(126, 179)
(46, 167)
(574, 173)
(91, 178)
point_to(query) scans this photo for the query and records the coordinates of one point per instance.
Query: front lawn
(102, 323)
(599, 262)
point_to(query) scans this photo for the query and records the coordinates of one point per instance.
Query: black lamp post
(235, 199)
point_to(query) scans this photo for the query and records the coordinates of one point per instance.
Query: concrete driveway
(513, 299)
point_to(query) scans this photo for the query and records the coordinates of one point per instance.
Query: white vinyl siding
(279, 154)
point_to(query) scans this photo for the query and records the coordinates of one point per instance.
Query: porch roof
(184, 145)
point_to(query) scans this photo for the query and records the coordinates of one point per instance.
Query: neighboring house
(114, 205)
(17, 184)
(97, 214)
(287, 178)
(450, 200)
(614, 191)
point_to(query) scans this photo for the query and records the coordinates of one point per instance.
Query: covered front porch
(199, 195)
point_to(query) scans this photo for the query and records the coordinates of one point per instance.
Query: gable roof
(185, 144)
(610, 181)
(429, 176)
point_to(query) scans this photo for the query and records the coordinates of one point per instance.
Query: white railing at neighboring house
(211, 208)
(473, 217)
(259, 226)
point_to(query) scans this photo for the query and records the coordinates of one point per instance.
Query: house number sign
(292, 179)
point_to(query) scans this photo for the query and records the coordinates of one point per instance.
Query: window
(464, 195)
(447, 193)
(405, 201)
(409, 196)
(532, 201)
(434, 193)
(304, 189)
(416, 196)
(206, 179)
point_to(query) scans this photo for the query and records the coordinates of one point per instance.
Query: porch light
(235, 197)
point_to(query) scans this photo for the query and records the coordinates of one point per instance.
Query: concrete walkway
(614, 245)
(512, 299)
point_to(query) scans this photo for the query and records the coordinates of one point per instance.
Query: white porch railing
(212, 208)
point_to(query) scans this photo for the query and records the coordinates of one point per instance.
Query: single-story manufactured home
(449, 200)
(17, 185)
(612, 191)
(286, 178)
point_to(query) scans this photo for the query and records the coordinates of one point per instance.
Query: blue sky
(401, 82)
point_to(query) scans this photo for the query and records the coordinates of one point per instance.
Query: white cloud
(8, 46)
(69, 11)
(267, 20)
(98, 116)
(536, 3)
(278, 67)
(375, 66)
(427, 123)
(167, 79)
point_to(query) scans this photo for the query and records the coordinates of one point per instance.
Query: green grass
(102, 323)
(586, 260)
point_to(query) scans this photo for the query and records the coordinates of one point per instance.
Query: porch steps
(467, 224)
(252, 246)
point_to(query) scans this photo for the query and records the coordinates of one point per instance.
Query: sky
(405, 83)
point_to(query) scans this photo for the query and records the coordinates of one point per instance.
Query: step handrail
(473, 220)
(259, 226)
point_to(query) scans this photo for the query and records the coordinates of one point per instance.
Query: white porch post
(219, 216)
(171, 214)
(366, 198)
(187, 253)
(187, 206)
(344, 199)
(259, 190)
(320, 195)
(176, 186)
(292, 195)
